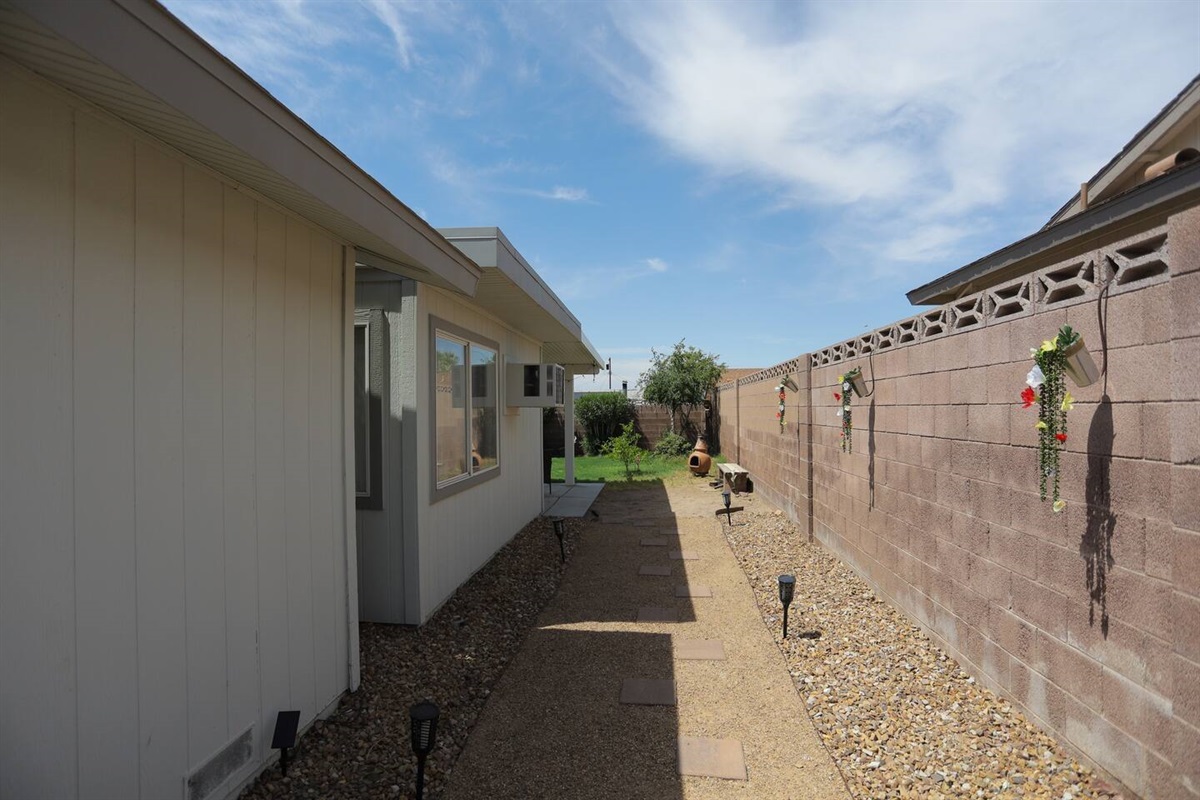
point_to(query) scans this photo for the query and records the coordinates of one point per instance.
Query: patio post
(569, 430)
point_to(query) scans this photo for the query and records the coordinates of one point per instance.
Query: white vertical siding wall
(459, 533)
(173, 513)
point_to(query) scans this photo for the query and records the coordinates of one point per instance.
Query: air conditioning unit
(535, 385)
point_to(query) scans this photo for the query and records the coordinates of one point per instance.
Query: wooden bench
(734, 475)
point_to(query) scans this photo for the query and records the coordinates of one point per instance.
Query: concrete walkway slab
(655, 541)
(654, 569)
(648, 692)
(684, 555)
(699, 650)
(657, 614)
(693, 590)
(712, 758)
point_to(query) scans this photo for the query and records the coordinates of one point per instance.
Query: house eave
(135, 60)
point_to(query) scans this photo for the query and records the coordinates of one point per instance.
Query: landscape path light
(424, 717)
(787, 589)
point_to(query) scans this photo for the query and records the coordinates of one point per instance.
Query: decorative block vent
(970, 312)
(205, 781)
(1011, 299)
(909, 330)
(884, 338)
(1139, 262)
(1061, 284)
(933, 323)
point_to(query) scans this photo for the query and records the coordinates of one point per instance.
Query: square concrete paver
(684, 555)
(693, 591)
(655, 541)
(657, 614)
(699, 649)
(648, 691)
(651, 569)
(711, 758)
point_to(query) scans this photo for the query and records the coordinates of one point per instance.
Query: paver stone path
(555, 726)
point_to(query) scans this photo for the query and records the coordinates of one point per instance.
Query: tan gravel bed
(900, 717)
(363, 750)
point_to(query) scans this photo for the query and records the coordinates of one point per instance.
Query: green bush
(624, 448)
(672, 444)
(601, 414)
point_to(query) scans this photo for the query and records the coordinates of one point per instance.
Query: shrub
(624, 448)
(672, 444)
(601, 414)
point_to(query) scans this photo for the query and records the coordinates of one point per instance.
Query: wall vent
(205, 781)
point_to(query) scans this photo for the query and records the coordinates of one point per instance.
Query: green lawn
(602, 469)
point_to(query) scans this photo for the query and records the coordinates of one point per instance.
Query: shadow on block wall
(1096, 544)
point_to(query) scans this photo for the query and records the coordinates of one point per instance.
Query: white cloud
(902, 114)
(567, 194)
(656, 264)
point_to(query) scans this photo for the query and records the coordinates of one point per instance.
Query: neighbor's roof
(1167, 132)
(135, 60)
(1118, 201)
(512, 290)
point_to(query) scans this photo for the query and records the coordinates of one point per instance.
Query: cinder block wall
(1089, 619)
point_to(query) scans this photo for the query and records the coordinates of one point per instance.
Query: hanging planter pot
(1079, 364)
(857, 382)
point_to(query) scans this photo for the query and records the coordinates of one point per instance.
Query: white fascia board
(143, 42)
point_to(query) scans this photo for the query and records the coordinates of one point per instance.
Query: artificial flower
(841, 378)
(837, 396)
(1062, 437)
(782, 396)
(1059, 505)
(839, 412)
(1028, 395)
(1041, 426)
(846, 386)
(1036, 377)
(776, 415)
(1068, 401)
(1049, 346)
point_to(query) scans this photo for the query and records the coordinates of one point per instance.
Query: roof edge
(1142, 199)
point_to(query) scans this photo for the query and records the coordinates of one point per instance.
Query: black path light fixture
(787, 589)
(424, 718)
(726, 498)
(284, 738)
(560, 530)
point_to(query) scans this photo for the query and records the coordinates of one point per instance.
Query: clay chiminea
(700, 461)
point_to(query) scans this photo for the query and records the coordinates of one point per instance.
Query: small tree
(624, 448)
(601, 414)
(681, 379)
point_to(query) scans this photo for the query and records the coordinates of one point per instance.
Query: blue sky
(760, 179)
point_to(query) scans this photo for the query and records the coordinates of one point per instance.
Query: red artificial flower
(776, 415)
(1062, 437)
(837, 396)
(1029, 395)
(783, 395)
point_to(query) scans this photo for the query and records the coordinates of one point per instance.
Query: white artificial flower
(1036, 377)
(846, 386)
(839, 412)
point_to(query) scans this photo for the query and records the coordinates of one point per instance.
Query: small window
(466, 425)
(369, 385)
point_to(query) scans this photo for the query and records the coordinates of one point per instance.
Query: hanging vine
(1047, 387)
(847, 386)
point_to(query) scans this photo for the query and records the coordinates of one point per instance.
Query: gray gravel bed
(897, 713)
(363, 749)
